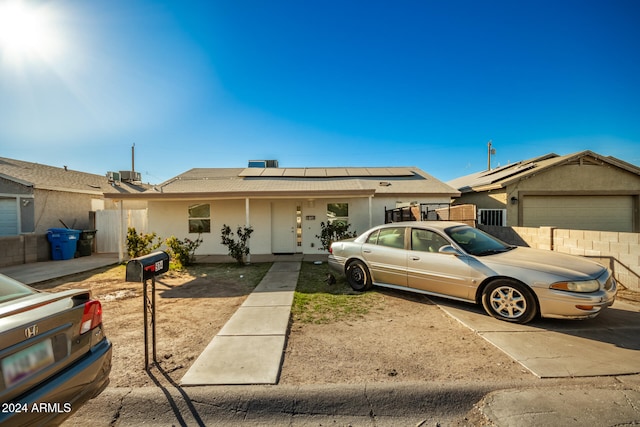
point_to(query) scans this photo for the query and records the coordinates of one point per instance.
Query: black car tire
(510, 301)
(358, 276)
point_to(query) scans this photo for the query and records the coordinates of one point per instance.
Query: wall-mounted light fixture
(514, 200)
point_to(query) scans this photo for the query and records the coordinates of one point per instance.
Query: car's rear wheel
(358, 276)
(510, 301)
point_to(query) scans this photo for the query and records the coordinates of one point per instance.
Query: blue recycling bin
(64, 243)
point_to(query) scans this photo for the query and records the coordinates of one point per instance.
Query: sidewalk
(48, 270)
(249, 348)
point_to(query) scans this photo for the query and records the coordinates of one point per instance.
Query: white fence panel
(107, 225)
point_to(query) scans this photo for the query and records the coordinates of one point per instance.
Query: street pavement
(603, 352)
(606, 402)
(340, 405)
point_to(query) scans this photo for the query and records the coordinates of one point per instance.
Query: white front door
(283, 227)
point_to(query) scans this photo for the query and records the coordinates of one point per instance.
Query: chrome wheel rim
(508, 302)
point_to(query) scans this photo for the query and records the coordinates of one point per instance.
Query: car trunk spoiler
(40, 299)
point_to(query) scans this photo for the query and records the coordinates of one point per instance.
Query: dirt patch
(190, 309)
(406, 338)
(403, 338)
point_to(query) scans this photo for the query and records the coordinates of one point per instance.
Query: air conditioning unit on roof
(263, 163)
(113, 176)
(129, 176)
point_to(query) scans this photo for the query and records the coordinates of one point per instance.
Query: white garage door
(8, 217)
(603, 213)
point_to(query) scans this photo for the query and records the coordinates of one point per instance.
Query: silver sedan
(456, 261)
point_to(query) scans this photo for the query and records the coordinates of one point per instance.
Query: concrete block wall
(540, 238)
(23, 249)
(618, 251)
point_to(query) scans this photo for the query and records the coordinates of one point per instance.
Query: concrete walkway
(249, 348)
(42, 271)
(557, 348)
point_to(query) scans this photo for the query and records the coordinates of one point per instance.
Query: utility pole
(490, 152)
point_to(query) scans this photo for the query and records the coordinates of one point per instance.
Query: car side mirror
(449, 250)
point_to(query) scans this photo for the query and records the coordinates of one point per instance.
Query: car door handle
(366, 251)
(415, 258)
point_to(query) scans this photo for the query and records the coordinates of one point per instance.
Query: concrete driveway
(606, 345)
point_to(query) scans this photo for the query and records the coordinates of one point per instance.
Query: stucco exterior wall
(72, 208)
(167, 218)
(563, 180)
(492, 199)
(8, 186)
(575, 177)
(573, 180)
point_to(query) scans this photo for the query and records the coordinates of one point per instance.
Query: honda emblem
(31, 331)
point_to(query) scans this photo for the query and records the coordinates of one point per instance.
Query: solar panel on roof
(326, 172)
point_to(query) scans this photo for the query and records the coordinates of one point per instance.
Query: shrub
(332, 232)
(141, 244)
(183, 251)
(238, 250)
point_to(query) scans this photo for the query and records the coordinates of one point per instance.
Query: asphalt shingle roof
(235, 182)
(505, 175)
(61, 179)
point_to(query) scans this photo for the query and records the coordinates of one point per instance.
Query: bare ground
(404, 337)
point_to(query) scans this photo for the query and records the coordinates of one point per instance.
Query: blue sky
(320, 83)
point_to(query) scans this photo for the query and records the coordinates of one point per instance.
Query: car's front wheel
(510, 301)
(358, 276)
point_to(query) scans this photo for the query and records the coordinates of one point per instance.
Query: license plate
(27, 362)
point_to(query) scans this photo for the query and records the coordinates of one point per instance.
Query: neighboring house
(585, 191)
(36, 197)
(284, 206)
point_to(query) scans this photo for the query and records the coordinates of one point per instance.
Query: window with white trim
(200, 218)
(338, 212)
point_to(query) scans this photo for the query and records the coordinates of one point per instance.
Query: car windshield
(476, 242)
(11, 289)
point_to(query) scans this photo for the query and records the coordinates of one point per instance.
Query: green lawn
(315, 301)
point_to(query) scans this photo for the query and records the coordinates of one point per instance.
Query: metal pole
(153, 317)
(149, 309)
(145, 303)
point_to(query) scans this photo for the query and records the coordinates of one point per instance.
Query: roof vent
(263, 163)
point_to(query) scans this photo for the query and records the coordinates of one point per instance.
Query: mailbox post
(142, 269)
